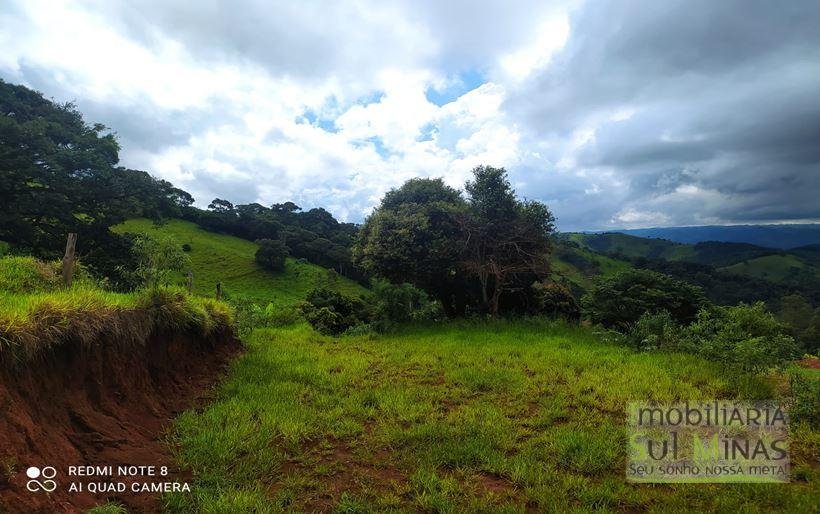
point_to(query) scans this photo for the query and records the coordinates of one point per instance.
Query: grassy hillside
(230, 260)
(579, 266)
(777, 268)
(462, 417)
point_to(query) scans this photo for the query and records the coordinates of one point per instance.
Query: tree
(556, 300)
(271, 254)
(507, 240)
(415, 236)
(620, 300)
(157, 258)
(221, 206)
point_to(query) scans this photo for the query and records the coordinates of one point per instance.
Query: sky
(617, 114)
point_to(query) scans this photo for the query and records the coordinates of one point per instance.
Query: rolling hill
(230, 260)
(772, 236)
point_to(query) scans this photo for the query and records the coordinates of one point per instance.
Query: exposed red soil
(101, 406)
(810, 362)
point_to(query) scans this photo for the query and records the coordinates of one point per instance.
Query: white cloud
(326, 103)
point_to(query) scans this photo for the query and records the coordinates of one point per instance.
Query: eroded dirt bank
(104, 406)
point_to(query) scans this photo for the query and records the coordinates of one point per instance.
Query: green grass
(230, 260)
(36, 315)
(461, 417)
(776, 268)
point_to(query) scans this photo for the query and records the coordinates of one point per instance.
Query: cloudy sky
(617, 114)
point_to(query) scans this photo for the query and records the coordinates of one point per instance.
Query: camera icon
(47, 475)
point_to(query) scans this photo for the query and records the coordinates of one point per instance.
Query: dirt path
(104, 406)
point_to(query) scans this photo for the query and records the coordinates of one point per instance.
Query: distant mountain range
(771, 236)
(729, 272)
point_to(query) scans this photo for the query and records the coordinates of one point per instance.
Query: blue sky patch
(467, 81)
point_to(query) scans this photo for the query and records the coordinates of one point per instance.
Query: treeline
(314, 235)
(59, 174)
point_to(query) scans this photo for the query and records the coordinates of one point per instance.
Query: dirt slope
(103, 406)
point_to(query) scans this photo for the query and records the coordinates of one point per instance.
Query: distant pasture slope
(772, 264)
(230, 260)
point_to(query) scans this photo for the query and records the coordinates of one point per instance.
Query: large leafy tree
(58, 174)
(415, 235)
(507, 240)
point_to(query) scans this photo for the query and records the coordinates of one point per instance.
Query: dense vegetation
(479, 254)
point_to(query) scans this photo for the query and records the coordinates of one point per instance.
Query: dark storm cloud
(722, 95)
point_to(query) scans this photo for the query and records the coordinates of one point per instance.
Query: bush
(186, 247)
(556, 300)
(401, 303)
(250, 315)
(653, 332)
(332, 313)
(805, 399)
(618, 301)
(271, 254)
(744, 336)
(158, 257)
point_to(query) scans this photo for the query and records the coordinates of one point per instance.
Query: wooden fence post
(190, 282)
(219, 290)
(68, 259)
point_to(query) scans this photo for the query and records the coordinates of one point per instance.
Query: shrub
(271, 254)
(744, 336)
(158, 257)
(250, 315)
(619, 300)
(804, 399)
(556, 300)
(653, 331)
(401, 303)
(331, 313)
(186, 247)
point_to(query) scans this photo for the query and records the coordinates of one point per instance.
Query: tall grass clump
(37, 317)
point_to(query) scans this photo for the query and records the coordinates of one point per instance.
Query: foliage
(414, 236)
(400, 303)
(250, 315)
(58, 174)
(621, 299)
(744, 336)
(805, 398)
(507, 241)
(331, 313)
(157, 258)
(481, 253)
(271, 254)
(654, 331)
(556, 300)
(803, 321)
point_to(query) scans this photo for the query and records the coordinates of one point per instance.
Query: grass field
(465, 417)
(773, 267)
(230, 260)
